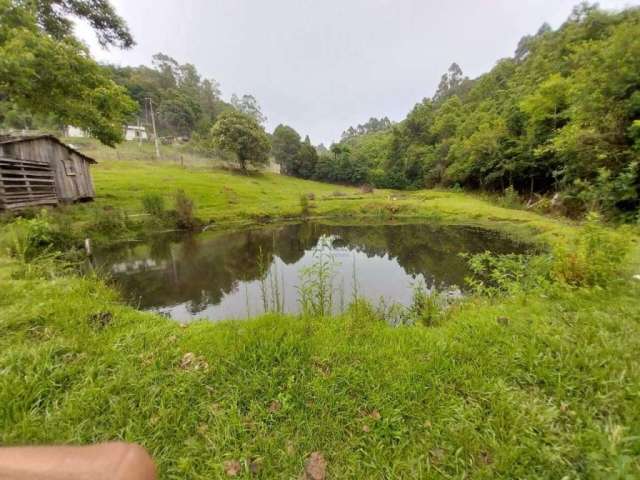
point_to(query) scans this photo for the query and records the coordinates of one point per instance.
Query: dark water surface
(216, 275)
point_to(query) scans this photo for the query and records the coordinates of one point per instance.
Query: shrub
(35, 237)
(184, 211)
(110, 221)
(494, 275)
(427, 306)
(153, 204)
(510, 198)
(595, 258)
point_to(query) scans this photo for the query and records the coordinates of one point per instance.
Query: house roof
(27, 138)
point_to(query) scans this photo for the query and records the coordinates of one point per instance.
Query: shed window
(69, 167)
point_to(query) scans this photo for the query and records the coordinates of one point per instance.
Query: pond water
(217, 275)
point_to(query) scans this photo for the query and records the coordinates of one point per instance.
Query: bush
(495, 275)
(510, 198)
(427, 306)
(35, 237)
(595, 258)
(184, 212)
(110, 222)
(153, 204)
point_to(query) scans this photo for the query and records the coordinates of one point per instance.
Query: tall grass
(316, 288)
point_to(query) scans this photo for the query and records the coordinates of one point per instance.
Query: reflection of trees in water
(201, 270)
(424, 249)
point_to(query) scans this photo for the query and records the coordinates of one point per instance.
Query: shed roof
(27, 138)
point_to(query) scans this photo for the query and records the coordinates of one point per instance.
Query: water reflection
(216, 275)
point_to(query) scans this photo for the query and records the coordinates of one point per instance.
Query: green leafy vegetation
(538, 380)
(185, 103)
(46, 71)
(560, 116)
(534, 375)
(243, 136)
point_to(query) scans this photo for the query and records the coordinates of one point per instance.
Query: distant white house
(135, 132)
(74, 132)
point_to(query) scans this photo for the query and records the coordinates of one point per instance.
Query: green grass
(223, 196)
(553, 393)
(551, 390)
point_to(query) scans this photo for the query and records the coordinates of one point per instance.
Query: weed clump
(595, 258)
(316, 289)
(153, 205)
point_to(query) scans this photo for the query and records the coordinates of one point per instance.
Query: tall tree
(285, 146)
(185, 102)
(307, 159)
(248, 105)
(450, 82)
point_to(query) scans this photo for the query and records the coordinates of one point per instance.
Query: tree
(450, 82)
(243, 136)
(371, 126)
(52, 17)
(45, 70)
(285, 149)
(185, 102)
(179, 113)
(307, 159)
(249, 106)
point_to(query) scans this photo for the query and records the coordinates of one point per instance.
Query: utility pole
(153, 124)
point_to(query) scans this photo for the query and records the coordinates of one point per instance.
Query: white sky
(323, 65)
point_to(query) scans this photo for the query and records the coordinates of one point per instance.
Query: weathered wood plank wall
(25, 183)
(68, 172)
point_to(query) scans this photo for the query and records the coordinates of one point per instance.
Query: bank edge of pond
(540, 235)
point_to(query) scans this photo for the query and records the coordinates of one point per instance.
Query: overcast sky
(323, 65)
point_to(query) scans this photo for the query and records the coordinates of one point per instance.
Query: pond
(230, 274)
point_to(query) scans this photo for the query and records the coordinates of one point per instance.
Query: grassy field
(541, 383)
(124, 175)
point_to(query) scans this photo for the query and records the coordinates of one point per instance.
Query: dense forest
(561, 115)
(185, 103)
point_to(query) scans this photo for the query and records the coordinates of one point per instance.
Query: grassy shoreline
(538, 384)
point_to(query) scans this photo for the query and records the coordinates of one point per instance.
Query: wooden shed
(42, 170)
